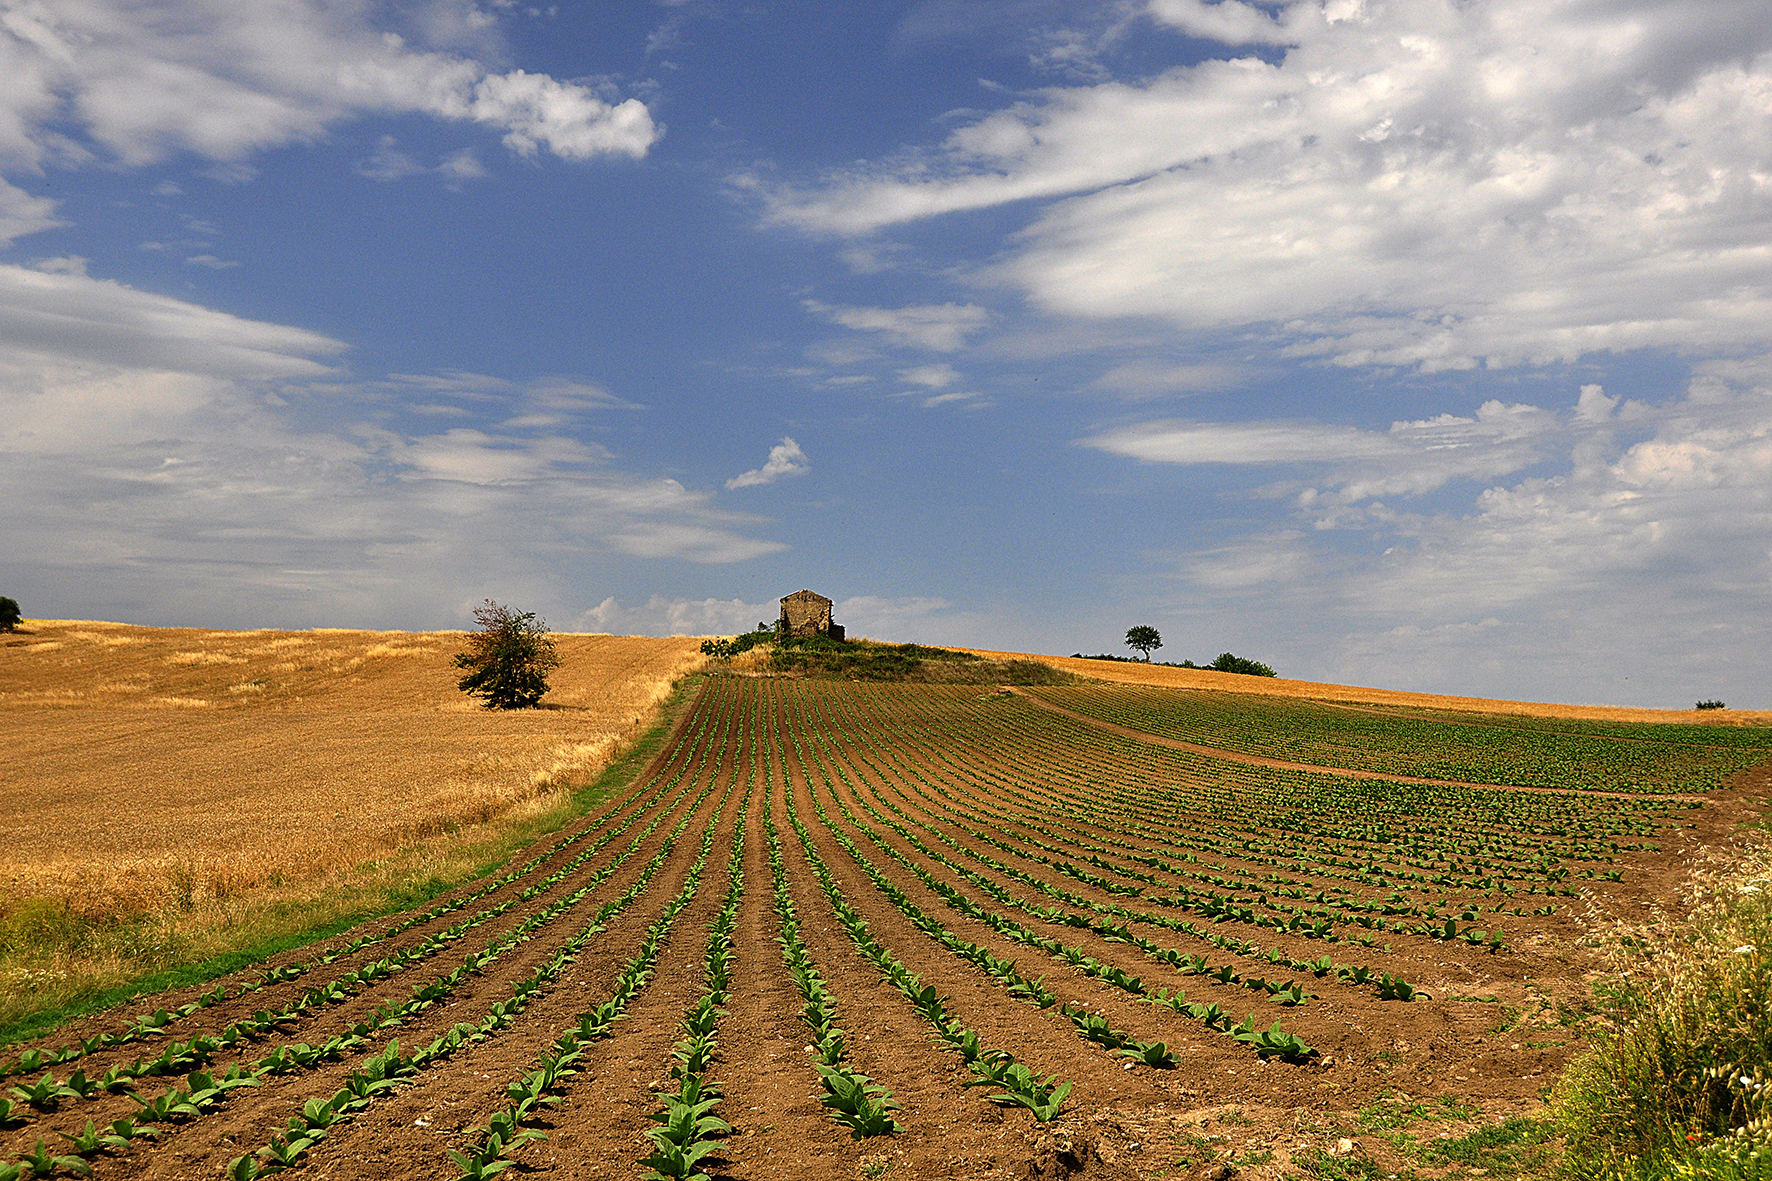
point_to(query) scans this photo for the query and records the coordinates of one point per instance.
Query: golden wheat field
(154, 766)
(1167, 676)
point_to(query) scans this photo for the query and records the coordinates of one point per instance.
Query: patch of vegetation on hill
(866, 660)
(1225, 662)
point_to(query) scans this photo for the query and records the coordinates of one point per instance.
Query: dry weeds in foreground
(178, 770)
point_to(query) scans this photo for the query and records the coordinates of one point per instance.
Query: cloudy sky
(1416, 343)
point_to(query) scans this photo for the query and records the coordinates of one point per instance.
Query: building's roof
(804, 595)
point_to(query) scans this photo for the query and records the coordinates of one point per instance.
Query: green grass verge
(281, 925)
(1678, 1080)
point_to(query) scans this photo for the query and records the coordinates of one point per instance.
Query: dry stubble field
(179, 770)
(928, 885)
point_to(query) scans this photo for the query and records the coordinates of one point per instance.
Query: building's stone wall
(806, 613)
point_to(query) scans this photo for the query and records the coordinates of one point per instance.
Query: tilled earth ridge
(317, 1025)
(1498, 1027)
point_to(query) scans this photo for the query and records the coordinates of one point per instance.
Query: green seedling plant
(45, 1094)
(1153, 1054)
(858, 1103)
(1395, 988)
(44, 1163)
(1023, 1088)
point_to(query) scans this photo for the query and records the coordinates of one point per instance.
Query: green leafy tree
(9, 615)
(1226, 663)
(508, 659)
(1144, 638)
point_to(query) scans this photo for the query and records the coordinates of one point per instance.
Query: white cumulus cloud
(227, 78)
(168, 461)
(1422, 183)
(785, 459)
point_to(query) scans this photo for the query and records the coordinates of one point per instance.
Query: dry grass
(1138, 673)
(186, 772)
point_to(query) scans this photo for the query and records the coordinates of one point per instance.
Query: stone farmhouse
(808, 613)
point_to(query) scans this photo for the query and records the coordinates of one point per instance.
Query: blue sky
(1402, 342)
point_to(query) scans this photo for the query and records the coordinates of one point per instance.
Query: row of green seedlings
(1093, 807)
(504, 1131)
(1020, 1085)
(150, 1025)
(1291, 993)
(1341, 830)
(688, 1131)
(493, 1144)
(318, 1116)
(1490, 751)
(204, 1091)
(1271, 1042)
(1311, 924)
(180, 1057)
(1388, 987)
(1433, 797)
(855, 1101)
(1308, 922)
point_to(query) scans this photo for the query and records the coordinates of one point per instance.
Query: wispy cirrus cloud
(1411, 458)
(941, 328)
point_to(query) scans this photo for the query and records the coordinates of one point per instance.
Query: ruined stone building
(808, 613)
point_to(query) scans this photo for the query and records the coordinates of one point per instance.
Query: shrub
(1678, 1081)
(9, 616)
(1227, 663)
(1710, 705)
(866, 660)
(508, 659)
(727, 649)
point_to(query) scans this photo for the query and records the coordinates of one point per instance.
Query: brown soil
(1494, 1035)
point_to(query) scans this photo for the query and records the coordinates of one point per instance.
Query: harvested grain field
(1036, 935)
(1132, 672)
(153, 765)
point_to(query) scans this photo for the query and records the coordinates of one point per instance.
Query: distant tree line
(1147, 639)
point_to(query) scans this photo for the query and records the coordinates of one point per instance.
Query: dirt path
(1233, 756)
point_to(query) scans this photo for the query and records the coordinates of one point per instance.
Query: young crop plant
(381, 1072)
(688, 1131)
(1291, 1050)
(1042, 1097)
(853, 1099)
(149, 1025)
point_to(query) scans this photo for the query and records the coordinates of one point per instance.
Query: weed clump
(1675, 1084)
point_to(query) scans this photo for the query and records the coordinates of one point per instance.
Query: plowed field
(972, 901)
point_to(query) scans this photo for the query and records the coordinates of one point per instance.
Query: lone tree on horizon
(1144, 638)
(9, 615)
(508, 659)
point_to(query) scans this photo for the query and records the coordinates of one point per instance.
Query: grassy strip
(1678, 1082)
(253, 934)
